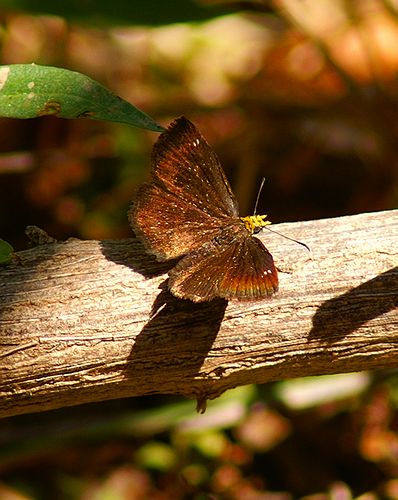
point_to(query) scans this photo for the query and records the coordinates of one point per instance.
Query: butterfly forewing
(183, 163)
(168, 226)
(188, 199)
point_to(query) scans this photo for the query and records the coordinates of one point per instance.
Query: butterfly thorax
(254, 223)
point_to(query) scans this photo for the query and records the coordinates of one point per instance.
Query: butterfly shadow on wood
(176, 340)
(132, 254)
(178, 334)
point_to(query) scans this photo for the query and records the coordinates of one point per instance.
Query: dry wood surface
(84, 321)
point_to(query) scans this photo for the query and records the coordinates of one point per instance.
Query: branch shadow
(354, 308)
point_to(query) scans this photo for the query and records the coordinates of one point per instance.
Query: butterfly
(187, 210)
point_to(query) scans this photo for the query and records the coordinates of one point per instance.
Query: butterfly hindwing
(242, 269)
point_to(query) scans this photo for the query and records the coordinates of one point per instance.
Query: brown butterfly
(188, 210)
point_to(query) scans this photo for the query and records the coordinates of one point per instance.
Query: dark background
(306, 97)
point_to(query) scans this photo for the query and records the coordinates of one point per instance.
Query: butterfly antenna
(258, 195)
(287, 237)
(272, 230)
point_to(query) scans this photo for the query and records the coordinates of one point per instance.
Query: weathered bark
(84, 321)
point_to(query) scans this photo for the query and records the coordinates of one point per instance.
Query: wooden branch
(84, 321)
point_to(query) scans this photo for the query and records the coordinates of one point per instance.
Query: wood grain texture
(84, 321)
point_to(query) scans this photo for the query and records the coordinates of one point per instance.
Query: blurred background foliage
(301, 92)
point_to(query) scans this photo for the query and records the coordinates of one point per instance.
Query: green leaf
(30, 90)
(6, 251)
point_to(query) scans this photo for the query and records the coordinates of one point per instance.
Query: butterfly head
(254, 223)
